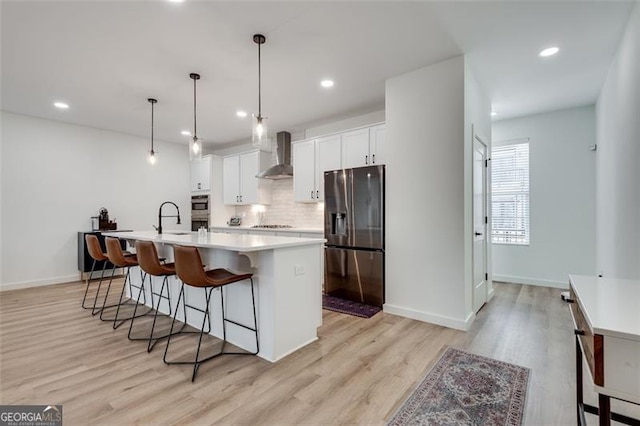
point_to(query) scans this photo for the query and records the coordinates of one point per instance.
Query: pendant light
(152, 152)
(195, 145)
(259, 123)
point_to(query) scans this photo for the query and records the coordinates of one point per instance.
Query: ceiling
(105, 58)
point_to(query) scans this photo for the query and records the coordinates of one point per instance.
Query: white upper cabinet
(304, 170)
(311, 158)
(201, 174)
(328, 157)
(355, 148)
(363, 147)
(240, 184)
(231, 179)
(377, 145)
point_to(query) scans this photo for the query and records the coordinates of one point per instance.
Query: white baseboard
(532, 281)
(430, 318)
(39, 283)
(492, 291)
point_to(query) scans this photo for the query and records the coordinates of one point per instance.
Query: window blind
(510, 192)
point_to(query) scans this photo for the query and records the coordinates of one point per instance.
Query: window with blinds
(510, 192)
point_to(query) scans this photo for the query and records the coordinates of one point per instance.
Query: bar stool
(96, 253)
(116, 256)
(151, 264)
(190, 270)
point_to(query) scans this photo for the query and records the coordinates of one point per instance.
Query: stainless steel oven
(199, 212)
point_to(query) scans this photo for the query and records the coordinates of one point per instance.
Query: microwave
(199, 203)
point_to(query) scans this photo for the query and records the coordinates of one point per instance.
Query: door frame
(481, 139)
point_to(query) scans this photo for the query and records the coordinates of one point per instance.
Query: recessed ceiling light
(493, 113)
(241, 114)
(550, 51)
(326, 83)
(60, 105)
(186, 133)
(176, 1)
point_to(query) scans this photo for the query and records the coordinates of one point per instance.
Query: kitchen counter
(319, 231)
(286, 270)
(236, 242)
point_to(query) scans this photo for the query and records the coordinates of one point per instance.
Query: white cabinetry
(240, 184)
(363, 147)
(201, 174)
(311, 158)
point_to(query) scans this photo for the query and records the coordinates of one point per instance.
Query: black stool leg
(166, 348)
(153, 340)
(197, 363)
(93, 266)
(126, 278)
(255, 324)
(104, 302)
(120, 303)
(95, 299)
(135, 309)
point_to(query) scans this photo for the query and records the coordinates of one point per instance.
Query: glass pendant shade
(152, 152)
(195, 148)
(259, 134)
(195, 143)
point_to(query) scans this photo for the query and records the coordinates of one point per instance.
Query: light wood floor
(359, 372)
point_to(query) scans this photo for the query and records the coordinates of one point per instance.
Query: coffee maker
(103, 221)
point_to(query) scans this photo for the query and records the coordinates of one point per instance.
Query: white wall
(618, 160)
(562, 199)
(55, 176)
(477, 119)
(425, 246)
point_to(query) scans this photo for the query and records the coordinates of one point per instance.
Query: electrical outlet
(298, 270)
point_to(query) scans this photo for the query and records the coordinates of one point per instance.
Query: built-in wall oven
(199, 212)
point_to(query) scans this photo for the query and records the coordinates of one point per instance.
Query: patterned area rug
(348, 307)
(467, 389)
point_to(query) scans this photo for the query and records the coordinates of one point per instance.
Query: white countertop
(233, 242)
(251, 228)
(610, 306)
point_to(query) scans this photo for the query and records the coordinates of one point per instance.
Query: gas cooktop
(271, 226)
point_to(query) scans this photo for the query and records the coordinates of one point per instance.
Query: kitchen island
(287, 273)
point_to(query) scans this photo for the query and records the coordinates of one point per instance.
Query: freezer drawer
(356, 275)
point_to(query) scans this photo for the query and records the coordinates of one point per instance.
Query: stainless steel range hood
(283, 168)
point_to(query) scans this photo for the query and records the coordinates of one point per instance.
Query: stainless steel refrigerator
(354, 230)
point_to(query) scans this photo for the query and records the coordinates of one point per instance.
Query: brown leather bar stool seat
(150, 263)
(190, 270)
(117, 257)
(96, 253)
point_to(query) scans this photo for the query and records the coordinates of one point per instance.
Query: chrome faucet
(159, 227)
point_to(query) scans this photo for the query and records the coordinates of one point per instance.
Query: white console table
(606, 314)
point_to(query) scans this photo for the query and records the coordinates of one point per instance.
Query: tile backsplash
(283, 210)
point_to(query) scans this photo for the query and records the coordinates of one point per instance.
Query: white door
(304, 171)
(377, 145)
(231, 180)
(328, 157)
(480, 277)
(355, 148)
(249, 168)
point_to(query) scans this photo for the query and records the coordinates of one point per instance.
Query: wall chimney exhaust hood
(283, 168)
